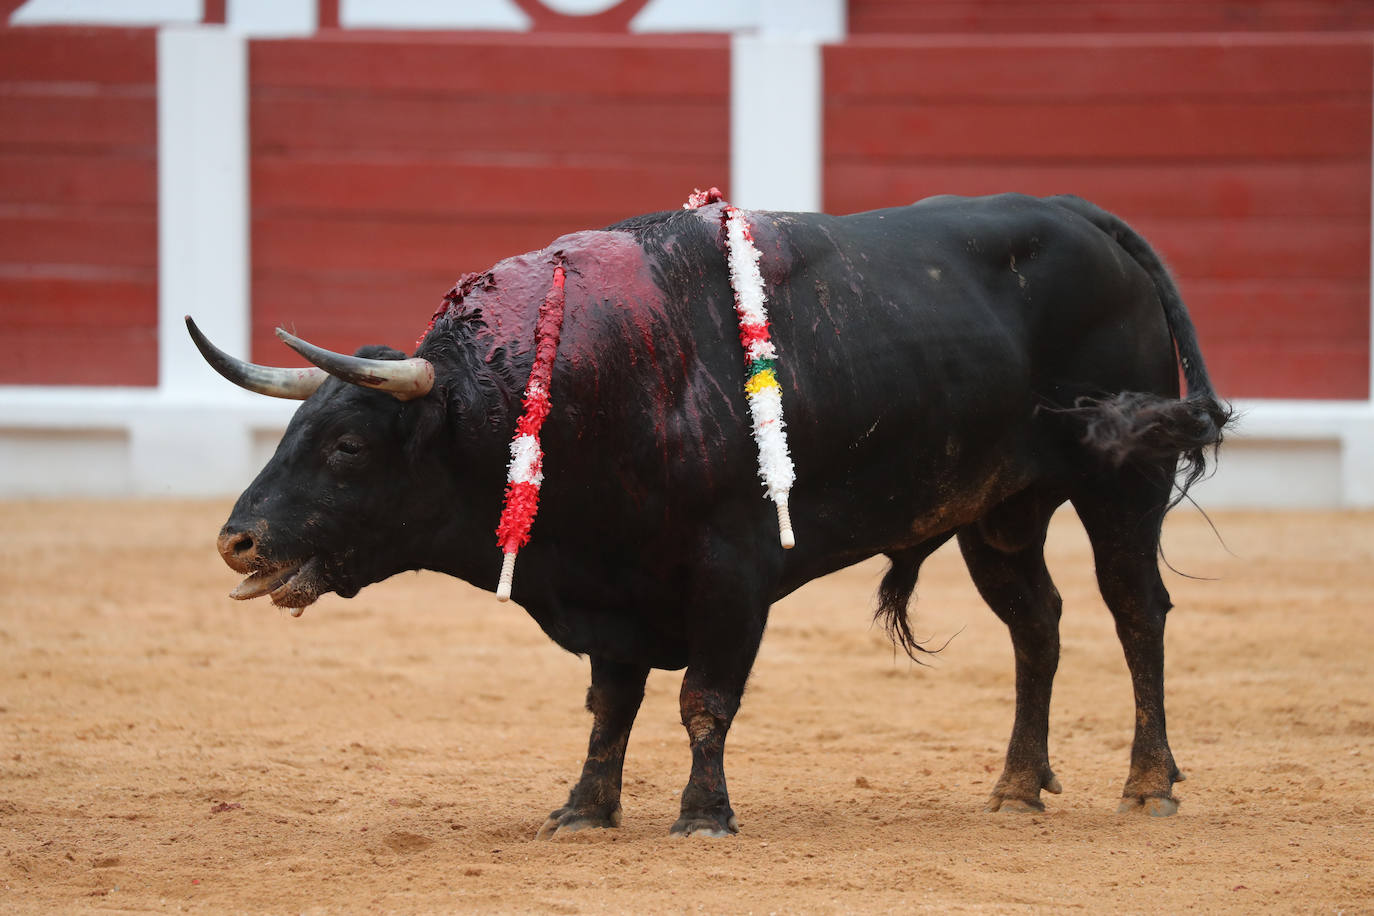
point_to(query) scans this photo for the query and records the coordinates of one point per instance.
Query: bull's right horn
(403, 379)
(296, 384)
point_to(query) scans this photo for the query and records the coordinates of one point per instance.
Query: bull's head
(323, 514)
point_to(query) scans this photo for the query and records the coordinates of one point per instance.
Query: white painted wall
(272, 18)
(1291, 454)
(432, 14)
(107, 12)
(820, 20)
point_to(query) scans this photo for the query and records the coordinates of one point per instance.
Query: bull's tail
(1143, 428)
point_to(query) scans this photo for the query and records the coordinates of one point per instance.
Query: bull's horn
(296, 384)
(404, 379)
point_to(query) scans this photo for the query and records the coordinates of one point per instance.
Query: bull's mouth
(293, 585)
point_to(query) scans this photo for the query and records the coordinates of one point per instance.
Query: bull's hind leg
(1005, 556)
(613, 700)
(1123, 518)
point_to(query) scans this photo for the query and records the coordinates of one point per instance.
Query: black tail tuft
(1146, 429)
(894, 596)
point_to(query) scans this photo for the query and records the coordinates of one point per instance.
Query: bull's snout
(238, 547)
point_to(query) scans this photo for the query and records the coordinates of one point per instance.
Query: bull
(957, 368)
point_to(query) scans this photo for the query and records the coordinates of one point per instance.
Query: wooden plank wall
(78, 206)
(384, 167)
(1244, 160)
(1050, 17)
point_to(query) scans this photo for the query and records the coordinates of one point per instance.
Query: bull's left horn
(296, 384)
(404, 379)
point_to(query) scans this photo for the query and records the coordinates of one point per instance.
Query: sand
(163, 748)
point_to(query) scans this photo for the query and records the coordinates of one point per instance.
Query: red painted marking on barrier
(328, 14)
(615, 19)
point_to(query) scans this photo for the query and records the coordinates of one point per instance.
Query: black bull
(955, 368)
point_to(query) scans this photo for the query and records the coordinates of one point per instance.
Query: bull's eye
(348, 445)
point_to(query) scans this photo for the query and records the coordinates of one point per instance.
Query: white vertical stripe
(775, 122)
(202, 144)
(502, 15)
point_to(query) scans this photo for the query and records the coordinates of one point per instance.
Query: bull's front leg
(613, 700)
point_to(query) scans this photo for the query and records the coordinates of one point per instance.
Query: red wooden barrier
(385, 166)
(78, 206)
(1245, 160)
(891, 17)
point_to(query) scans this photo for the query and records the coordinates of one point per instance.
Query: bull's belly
(635, 626)
(840, 525)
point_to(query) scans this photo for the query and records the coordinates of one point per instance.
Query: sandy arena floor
(163, 748)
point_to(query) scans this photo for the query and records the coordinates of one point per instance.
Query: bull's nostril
(238, 547)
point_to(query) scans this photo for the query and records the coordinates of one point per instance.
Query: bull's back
(917, 343)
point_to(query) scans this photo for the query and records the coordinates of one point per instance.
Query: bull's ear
(426, 420)
(404, 379)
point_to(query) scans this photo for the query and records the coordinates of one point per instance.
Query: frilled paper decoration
(761, 386)
(525, 472)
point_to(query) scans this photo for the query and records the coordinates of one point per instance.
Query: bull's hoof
(1014, 805)
(1153, 805)
(565, 821)
(707, 825)
(1025, 798)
